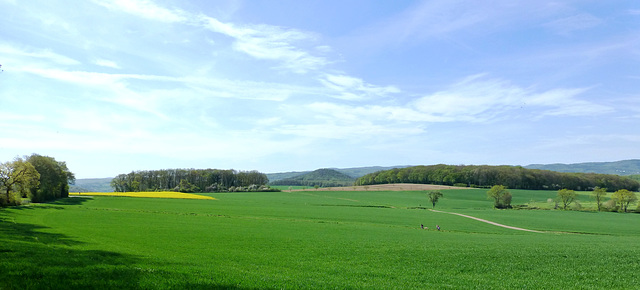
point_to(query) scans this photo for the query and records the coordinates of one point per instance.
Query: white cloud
(208, 86)
(106, 63)
(270, 42)
(435, 18)
(84, 78)
(145, 9)
(352, 88)
(357, 130)
(373, 113)
(474, 99)
(478, 99)
(258, 41)
(38, 54)
(6, 117)
(565, 102)
(573, 23)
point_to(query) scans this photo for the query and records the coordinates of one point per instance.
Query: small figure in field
(422, 226)
(438, 227)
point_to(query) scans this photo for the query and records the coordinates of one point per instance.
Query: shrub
(213, 188)
(501, 196)
(576, 205)
(610, 205)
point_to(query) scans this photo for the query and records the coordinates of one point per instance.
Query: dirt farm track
(384, 187)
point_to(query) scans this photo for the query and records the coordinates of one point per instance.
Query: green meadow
(315, 239)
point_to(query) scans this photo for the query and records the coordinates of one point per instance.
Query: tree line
(36, 178)
(191, 180)
(485, 176)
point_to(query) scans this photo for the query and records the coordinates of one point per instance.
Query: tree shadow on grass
(70, 201)
(31, 258)
(56, 204)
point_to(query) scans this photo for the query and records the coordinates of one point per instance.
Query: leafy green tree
(598, 195)
(624, 198)
(16, 180)
(54, 179)
(186, 186)
(500, 195)
(566, 196)
(434, 196)
(119, 183)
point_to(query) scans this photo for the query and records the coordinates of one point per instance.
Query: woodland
(191, 180)
(514, 177)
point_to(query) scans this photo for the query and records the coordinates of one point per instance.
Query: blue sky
(115, 86)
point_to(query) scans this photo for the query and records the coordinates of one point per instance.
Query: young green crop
(313, 240)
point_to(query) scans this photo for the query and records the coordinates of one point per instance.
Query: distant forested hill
(321, 177)
(92, 185)
(624, 167)
(362, 171)
(514, 177)
(284, 175)
(354, 172)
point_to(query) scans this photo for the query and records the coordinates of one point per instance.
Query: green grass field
(314, 239)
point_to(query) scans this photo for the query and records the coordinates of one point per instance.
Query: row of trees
(515, 177)
(190, 180)
(38, 178)
(619, 201)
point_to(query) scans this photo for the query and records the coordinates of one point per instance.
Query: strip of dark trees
(485, 176)
(191, 180)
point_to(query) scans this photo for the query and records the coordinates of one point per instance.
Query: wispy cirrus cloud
(258, 41)
(145, 9)
(475, 99)
(106, 63)
(270, 42)
(207, 86)
(573, 23)
(479, 99)
(44, 54)
(355, 89)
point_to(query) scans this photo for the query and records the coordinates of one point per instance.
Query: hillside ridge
(622, 167)
(323, 177)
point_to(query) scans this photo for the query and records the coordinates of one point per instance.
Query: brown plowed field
(385, 187)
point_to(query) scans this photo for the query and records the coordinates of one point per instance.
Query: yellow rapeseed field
(153, 194)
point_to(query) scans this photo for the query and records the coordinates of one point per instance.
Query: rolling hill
(92, 185)
(623, 167)
(354, 172)
(321, 177)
